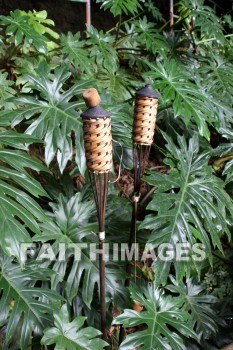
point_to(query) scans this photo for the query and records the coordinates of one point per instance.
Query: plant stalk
(220, 161)
(171, 13)
(88, 15)
(88, 12)
(118, 29)
(212, 39)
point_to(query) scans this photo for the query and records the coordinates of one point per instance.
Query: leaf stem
(118, 29)
(148, 194)
(128, 20)
(212, 39)
(217, 164)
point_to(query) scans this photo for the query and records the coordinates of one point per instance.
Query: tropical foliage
(50, 300)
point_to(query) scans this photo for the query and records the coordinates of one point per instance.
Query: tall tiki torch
(98, 151)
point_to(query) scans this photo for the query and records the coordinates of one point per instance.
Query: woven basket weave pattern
(145, 112)
(98, 144)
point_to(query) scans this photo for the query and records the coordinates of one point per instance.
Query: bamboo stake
(88, 12)
(171, 13)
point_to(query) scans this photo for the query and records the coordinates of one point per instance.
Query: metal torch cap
(147, 91)
(95, 113)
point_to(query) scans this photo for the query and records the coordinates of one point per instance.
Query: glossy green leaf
(102, 50)
(120, 86)
(72, 335)
(22, 31)
(198, 304)
(206, 22)
(24, 307)
(151, 37)
(187, 206)
(74, 49)
(72, 226)
(6, 91)
(118, 7)
(17, 140)
(166, 321)
(18, 210)
(54, 117)
(39, 21)
(187, 100)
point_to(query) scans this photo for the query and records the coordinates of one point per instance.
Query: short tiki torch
(145, 112)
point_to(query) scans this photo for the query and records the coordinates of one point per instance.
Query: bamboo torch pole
(98, 151)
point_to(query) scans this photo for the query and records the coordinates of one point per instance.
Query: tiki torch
(98, 151)
(145, 113)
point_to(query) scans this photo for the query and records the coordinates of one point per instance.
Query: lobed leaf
(186, 205)
(32, 307)
(198, 304)
(182, 93)
(118, 7)
(53, 117)
(162, 313)
(72, 335)
(18, 210)
(71, 225)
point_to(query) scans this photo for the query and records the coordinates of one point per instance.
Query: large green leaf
(6, 91)
(70, 336)
(218, 73)
(218, 103)
(74, 49)
(217, 86)
(151, 37)
(187, 205)
(54, 116)
(39, 21)
(118, 7)
(21, 31)
(177, 88)
(162, 313)
(18, 209)
(24, 307)
(198, 304)
(16, 140)
(102, 50)
(207, 24)
(150, 6)
(120, 85)
(121, 123)
(72, 226)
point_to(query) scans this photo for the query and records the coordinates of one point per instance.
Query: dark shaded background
(70, 16)
(67, 15)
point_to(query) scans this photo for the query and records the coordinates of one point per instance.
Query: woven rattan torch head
(97, 134)
(145, 113)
